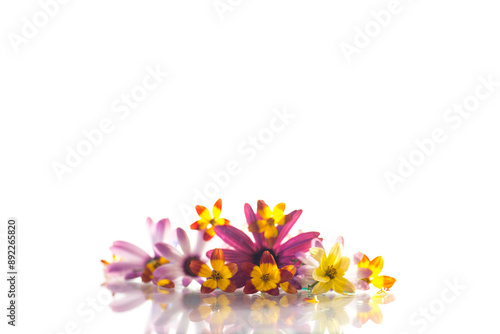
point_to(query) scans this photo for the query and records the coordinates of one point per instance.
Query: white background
(352, 121)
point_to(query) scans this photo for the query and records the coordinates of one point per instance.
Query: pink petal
(362, 285)
(129, 252)
(130, 301)
(364, 272)
(357, 257)
(283, 231)
(167, 271)
(183, 240)
(340, 240)
(235, 238)
(186, 281)
(251, 217)
(233, 256)
(299, 243)
(162, 227)
(123, 267)
(168, 252)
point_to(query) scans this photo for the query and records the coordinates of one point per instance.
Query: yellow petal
(271, 232)
(383, 282)
(221, 221)
(203, 213)
(344, 265)
(217, 259)
(334, 256)
(210, 283)
(217, 208)
(229, 270)
(199, 268)
(322, 287)
(376, 265)
(269, 285)
(263, 210)
(341, 285)
(226, 285)
(320, 275)
(317, 253)
(258, 284)
(278, 211)
(364, 262)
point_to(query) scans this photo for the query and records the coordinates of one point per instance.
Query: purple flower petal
(357, 257)
(133, 275)
(240, 278)
(364, 272)
(340, 240)
(299, 243)
(186, 281)
(129, 252)
(233, 256)
(235, 238)
(362, 285)
(167, 271)
(283, 230)
(183, 239)
(123, 267)
(130, 301)
(251, 217)
(168, 252)
(162, 227)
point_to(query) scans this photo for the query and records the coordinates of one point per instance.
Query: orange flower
(219, 276)
(206, 221)
(376, 265)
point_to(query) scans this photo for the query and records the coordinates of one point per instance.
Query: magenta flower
(246, 250)
(135, 262)
(179, 262)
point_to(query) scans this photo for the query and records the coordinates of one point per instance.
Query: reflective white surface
(184, 310)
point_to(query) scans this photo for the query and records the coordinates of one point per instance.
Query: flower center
(216, 275)
(331, 272)
(265, 277)
(187, 262)
(270, 222)
(147, 274)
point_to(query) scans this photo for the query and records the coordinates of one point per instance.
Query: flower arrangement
(271, 262)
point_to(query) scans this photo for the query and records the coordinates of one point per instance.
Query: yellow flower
(219, 276)
(331, 271)
(376, 265)
(206, 220)
(268, 221)
(267, 277)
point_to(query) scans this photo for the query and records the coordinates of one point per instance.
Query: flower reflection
(328, 313)
(217, 311)
(368, 308)
(185, 310)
